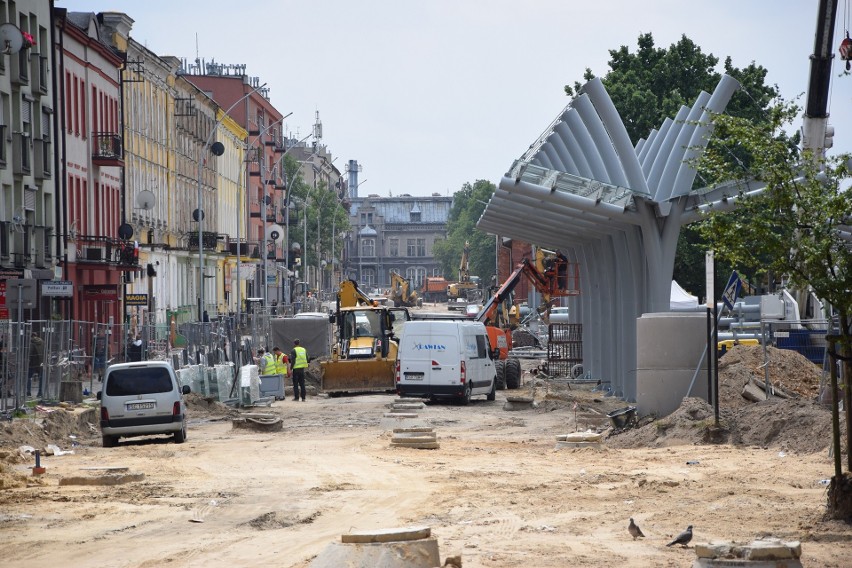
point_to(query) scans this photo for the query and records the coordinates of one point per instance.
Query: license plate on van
(140, 405)
(414, 376)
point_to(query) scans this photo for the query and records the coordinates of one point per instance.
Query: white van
(142, 398)
(446, 359)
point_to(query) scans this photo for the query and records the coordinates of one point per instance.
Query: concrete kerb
(412, 547)
(579, 440)
(514, 403)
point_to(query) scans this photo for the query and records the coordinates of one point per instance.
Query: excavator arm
(350, 295)
(464, 268)
(555, 277)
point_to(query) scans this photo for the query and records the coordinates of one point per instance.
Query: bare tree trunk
(835, 409)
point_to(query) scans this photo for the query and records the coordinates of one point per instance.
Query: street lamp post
(218, 151)
(288, 189)
(263, 213)
(239, 212)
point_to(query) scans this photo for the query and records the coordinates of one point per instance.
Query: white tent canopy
(681, 299)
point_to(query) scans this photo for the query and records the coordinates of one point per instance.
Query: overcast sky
(430, 94)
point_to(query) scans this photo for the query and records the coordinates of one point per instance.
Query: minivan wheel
(109, 441)
(180, 435)
(466, 398)
(493, 394)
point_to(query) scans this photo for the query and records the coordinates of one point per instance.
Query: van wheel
(466, 398)
(493, 394)
(109, 441)
(513, 373)
(500, 370)
(180, 435)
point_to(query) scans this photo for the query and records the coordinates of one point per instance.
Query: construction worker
(299, 356)
(280, 362)
(266, 362)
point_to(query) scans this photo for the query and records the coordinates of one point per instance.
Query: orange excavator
(554, 277)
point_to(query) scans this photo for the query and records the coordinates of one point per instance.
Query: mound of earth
(788, 369)
(797, 424)
(207, 407)
(58, 426)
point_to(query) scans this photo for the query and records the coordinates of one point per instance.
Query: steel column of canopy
(614, 170)
(652, 147)
(580, 166)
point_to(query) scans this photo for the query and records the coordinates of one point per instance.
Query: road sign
(57, 288)
(21, 290)
(732, 290)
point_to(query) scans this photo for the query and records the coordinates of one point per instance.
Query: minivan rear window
(143, 380)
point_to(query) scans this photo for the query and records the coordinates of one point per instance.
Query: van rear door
(429, 364)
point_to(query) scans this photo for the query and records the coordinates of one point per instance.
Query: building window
(366, 219)
(416, 275)
(416, 247)
(414, 216)
(394, 246)
(368, 247)
(368, 277)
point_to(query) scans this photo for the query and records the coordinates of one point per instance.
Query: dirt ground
(498, 492)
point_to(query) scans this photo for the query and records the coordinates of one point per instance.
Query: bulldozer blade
(358, 375)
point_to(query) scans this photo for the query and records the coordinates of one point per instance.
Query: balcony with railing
(278, 143)
(107, 149)
(209, 240)
(244, 249)
(99, 252)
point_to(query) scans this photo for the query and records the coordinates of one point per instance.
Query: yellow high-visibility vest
(301, 357)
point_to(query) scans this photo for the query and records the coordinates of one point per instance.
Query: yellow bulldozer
(366, 344)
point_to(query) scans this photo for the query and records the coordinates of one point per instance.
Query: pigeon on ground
(634, 529)
(683, 538)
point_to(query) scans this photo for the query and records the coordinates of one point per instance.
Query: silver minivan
(142, 398)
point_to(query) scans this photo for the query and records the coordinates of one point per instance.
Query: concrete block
(773, 549)
(422, 553)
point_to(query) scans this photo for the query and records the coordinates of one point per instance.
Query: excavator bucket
(358, 375)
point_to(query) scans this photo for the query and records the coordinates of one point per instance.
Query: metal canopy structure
(615, 209)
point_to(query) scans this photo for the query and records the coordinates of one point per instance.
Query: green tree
(651, 84)
(468, 205)
(798, 227)
(324, 215)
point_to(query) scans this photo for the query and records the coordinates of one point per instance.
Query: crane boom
(815, 123)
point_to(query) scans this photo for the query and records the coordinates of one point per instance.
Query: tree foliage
(468, 205)
(798, 226)
(791, 228)
(651, 84)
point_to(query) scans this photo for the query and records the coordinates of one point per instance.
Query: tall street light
(249, 145)
(218, 149)
(287, 185)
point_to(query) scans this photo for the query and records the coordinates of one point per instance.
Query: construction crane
(817, 134)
